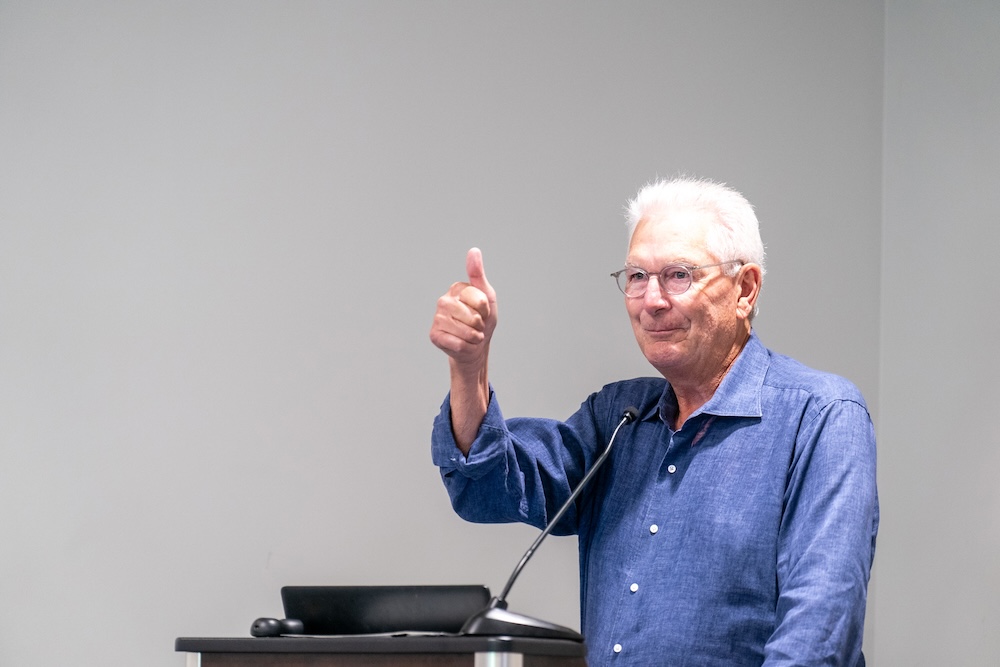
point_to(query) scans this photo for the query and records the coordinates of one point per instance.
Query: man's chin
(663, 337)
(662, 352)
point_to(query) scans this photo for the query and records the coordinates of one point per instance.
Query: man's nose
(655, 296)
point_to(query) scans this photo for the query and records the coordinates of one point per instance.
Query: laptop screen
(354, 610)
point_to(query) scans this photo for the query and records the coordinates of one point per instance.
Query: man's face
(689, 337)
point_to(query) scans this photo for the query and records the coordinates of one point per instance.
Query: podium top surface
(382, 644)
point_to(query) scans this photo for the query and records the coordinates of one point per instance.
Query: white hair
(737, 234)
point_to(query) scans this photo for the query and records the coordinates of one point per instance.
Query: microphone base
(496, 621)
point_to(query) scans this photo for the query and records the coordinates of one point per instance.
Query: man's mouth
(661, 330)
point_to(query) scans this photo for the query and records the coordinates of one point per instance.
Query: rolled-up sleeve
(516, 470)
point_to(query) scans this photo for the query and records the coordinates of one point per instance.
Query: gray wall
(938, 577)
(223, 227)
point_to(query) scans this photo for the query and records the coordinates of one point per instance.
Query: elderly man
(734, 522)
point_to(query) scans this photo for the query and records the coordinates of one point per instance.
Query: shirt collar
(739, 392)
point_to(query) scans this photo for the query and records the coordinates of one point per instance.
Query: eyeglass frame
(662, 282)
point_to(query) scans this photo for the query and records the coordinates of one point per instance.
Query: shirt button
(671, 468)
(634, 587)
(618, 648)
(653, 529)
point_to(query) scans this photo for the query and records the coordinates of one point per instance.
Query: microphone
(495, 619)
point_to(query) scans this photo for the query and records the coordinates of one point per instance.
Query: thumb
(477, 273)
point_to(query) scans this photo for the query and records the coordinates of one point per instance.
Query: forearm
(517, 470)
(470, 398)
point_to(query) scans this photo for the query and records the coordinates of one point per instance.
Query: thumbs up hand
(466, 317)
(463, 327)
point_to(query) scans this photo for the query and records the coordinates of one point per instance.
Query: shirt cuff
(487, 449)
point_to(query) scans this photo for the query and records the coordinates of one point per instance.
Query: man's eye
(636, 276)
(677, 274)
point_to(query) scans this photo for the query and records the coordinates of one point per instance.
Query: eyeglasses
(674, 279)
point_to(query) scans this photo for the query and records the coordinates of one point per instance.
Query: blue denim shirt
(744, 538)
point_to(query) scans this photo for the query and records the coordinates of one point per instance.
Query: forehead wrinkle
(655, 240)
(682, 261)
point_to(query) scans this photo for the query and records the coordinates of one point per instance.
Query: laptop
(363, 610)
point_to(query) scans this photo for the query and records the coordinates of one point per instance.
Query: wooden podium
(382, 651)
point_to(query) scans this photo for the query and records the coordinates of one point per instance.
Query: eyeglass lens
(673, 280)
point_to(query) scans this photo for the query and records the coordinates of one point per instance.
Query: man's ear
(748, 280)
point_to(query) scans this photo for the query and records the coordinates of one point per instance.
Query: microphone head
(630, 414)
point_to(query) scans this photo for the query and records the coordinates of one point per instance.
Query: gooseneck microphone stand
(495, 620)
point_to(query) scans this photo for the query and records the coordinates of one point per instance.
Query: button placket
(620, 632)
